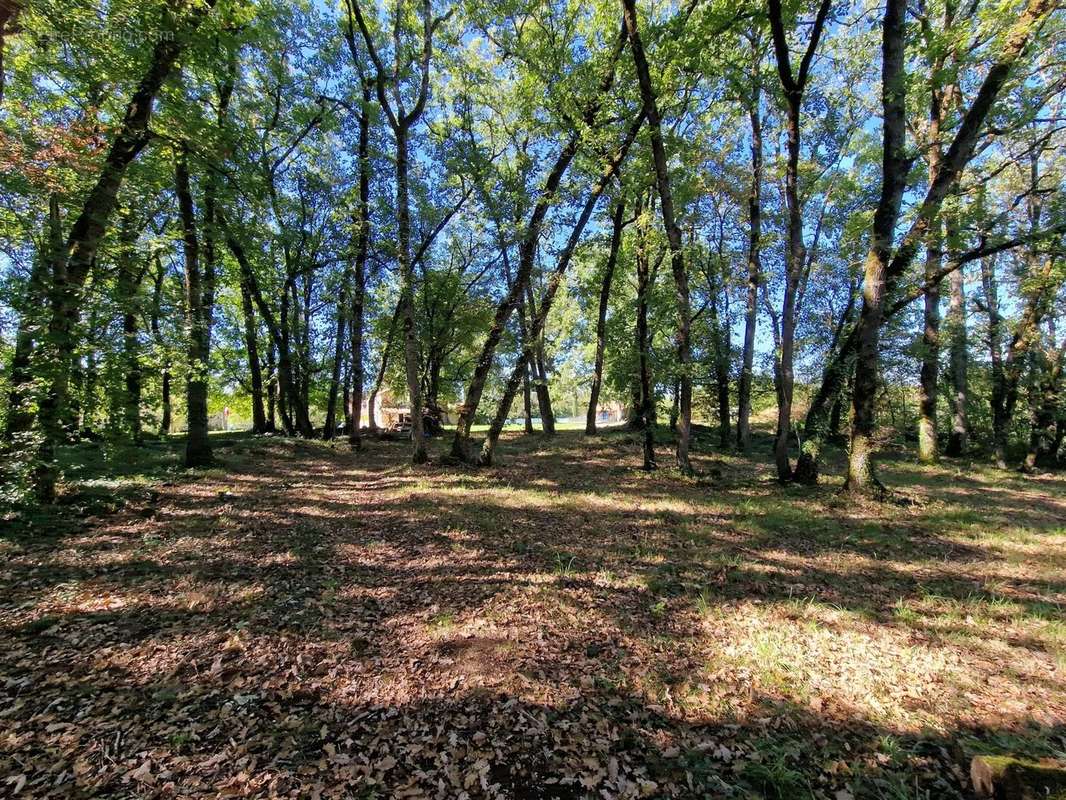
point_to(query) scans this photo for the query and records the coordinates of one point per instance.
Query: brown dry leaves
(313, 623)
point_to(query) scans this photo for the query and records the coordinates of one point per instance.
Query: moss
(1012, 778)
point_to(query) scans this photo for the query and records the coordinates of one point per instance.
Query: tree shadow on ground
(303, 618)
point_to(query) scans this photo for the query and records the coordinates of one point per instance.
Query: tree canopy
(278, 214)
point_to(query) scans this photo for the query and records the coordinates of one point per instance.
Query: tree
(886, 263)
(199, 301)
(401, 121)
(71, 267)
(617, 226)
(793, 85)
(527, 252)
(751, 307)
(673, 235)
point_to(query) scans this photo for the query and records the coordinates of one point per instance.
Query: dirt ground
(304, 621)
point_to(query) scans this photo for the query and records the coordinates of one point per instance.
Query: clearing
(305, 621)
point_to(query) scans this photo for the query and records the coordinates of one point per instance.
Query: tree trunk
(754, 276)
(197, 323)
(675, 406)
(291, 404)
(673, 235)
(722, 349)
(941, 97)
(861, 478)
(826, 409)
(527, 253)
(329, 429)
(356, 369)
(271, 390)
(410, 333)
(995, 347)
(87, 427)
(127, 284)
(304, 350)
(836, 415)
(527, 400)
(288, 372)
(251, 344)
(1039, 288)
(529, 374)
(346, 400)
(793, 86)
(797, 257)
(635, 412)
(883, 269)
(930, 368)
(601, 317)
(1044, 405)
(157, 299)
(434, 413)
(362, 223)
(19, 420)
(540, 374)
(958, 359)
(645, 281)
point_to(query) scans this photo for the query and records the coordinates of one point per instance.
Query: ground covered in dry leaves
(303, 621)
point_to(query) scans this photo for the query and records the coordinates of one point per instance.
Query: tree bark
(157, 335)
(85, 428)
(527, 400)
(362, 248)
(401, 122)
(722, 349)
(329, 428)
(19, 420)
(292, 407)
(271, 389)
(941, 98)
(410, 333)
(617, 225)
(861, 478)
(824, 415)
(255, 371)
(883, 269)
(1007, 366)
(197, 323)
(127, 284)
(930, 366)
(540, 373)
(995, 346)
(797, 257)
(794, 86)
(1044, 405)
(958, 360)
(751, 308)
(645, 283)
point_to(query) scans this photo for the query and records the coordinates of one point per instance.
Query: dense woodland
(848, 216)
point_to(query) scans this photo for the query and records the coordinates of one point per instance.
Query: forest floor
(303, 621)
